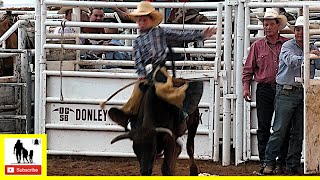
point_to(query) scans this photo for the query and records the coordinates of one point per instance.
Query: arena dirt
(104, 166)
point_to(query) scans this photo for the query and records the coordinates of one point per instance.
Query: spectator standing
(262, 66)
(289, 102)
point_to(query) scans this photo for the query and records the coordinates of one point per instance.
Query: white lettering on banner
(78, 113)
(91, 114)
(27, 170)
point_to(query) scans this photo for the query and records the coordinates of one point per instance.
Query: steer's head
(144, 146)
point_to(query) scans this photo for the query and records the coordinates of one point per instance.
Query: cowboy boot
(119, 117)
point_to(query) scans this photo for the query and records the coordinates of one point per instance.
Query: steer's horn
(120, 137)
(165, 130)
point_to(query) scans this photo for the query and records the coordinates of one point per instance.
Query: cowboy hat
(64, 9)
(271, 13)
(299, 23)
(145, 8)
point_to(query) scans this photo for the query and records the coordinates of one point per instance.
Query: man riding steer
(149, 55)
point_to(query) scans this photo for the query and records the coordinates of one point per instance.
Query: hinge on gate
(223, 73)
(231, 96)
(231, 2)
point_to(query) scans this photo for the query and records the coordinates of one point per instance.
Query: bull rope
(103, 103)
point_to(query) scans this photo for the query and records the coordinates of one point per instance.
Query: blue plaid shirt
(290, 60)
(150, 46)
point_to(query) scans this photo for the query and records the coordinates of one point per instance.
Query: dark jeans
(288, 115)
(265, 95)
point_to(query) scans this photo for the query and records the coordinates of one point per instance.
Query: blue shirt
(150, 46)
(291, 58)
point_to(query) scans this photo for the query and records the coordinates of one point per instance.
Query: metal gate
(68, 102)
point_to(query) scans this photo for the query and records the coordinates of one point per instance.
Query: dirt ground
(104, 166)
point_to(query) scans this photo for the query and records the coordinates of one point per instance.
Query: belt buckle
(287, 87)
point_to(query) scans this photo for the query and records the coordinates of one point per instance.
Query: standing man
(262, 66)
(289, 102)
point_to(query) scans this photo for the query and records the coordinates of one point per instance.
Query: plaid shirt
(150, 46)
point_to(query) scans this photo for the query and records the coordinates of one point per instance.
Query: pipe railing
(188, 5)
(242, 40)
(122, 25)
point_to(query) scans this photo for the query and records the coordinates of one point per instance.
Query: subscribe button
(23, 169)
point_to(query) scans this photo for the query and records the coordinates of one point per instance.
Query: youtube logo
(23, 170)
(10, 170)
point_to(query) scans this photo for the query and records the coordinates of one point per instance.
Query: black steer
(154, 131)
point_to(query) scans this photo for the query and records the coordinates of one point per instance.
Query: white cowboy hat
(145, 8)
(273, 14)
(64, 9)
(299, 23)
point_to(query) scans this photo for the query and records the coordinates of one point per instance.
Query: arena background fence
(66, 101)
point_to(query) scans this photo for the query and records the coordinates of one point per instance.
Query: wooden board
(312, 130)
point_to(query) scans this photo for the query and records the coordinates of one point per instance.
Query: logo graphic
(63, 113)
(75, 114)
(23, 156)
(10, 169)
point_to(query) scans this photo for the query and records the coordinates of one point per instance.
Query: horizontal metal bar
(97, 101)
(13, 84)
(132, 63)
(82, 101)
(87, 153)
(188, 5)
(8, 79)
(122, 25)
(111, 75)
(57, 37)
(12, 50)
(6, 55)
(281, 4)
(123, 48)
(13, 117)
(9, 106)
(92, 36)
(114, 128)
